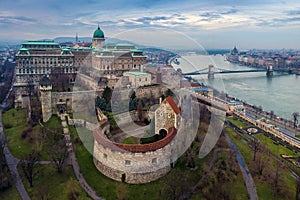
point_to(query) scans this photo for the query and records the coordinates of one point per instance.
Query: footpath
(74, 162)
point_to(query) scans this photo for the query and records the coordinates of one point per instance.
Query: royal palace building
(36, 59)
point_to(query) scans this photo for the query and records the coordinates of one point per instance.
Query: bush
(78, 140)
(25, 132)
(151, 139)
(4, 182)
(7, 126)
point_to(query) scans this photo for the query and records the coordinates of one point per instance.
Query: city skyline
(219, 24)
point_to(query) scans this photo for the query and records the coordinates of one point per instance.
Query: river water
(281, 93)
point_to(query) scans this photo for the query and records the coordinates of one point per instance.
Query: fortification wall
(139, 163)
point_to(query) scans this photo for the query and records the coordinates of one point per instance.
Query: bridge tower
(211, 72)
(269, 71)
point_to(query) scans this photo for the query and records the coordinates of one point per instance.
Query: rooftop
(41, 43)
(137, 73)
(173, 105)
(201, 89)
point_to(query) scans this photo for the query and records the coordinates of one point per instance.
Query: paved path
(12, 163)
(245, 171)
(75, 164)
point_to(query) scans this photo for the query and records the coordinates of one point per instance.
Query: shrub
(25, 132)
(7, 126)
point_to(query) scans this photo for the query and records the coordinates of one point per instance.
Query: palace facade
(37, 59)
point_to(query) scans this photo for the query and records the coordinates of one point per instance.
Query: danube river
(281, 93)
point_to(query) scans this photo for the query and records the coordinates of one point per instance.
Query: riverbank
(259, 109)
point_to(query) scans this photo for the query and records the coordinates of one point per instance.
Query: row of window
(43, 71)
(39, 66)
(109, 67)
(44, 59)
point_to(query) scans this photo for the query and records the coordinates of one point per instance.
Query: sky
(264, 24)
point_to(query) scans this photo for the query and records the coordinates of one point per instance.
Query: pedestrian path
(74, 162)
(245, 171)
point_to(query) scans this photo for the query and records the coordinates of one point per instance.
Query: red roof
(173, 105)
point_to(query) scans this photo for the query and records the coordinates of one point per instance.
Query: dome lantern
(98, 33)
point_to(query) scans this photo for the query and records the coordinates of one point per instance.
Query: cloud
(16, 20)
(55, 18)
(293, 12)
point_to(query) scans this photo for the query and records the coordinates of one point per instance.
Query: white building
(138, 79)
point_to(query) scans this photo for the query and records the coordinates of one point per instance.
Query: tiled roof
(41, 43)
(173, 105)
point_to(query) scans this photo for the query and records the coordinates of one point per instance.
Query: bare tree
(3, 142)
(260, 164)
(59, 153)
(295, 117)
(255, 148)
(298, 189)
(272, 114)
(139, 110)
(174, 189)
(29, 165)
(191, 158)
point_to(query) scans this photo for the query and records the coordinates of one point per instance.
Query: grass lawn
(264, 189)
(237, 122)
(274, 148)
(12, 192)
(130, 140)
(54, 123)
(238, 189)
(16, 118)
(57, 186)
(18, 146)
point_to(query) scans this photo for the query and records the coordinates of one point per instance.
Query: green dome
(98, 33)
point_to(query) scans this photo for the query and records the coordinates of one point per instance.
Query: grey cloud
(16, 19)
(276, 22)
(293, 12)
(209, 16)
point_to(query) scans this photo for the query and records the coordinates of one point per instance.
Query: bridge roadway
(225, 72)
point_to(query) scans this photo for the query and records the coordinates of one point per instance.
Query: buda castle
(38, 59)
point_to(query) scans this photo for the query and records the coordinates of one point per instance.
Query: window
(105, 156)
(154, 160)
(127, 162)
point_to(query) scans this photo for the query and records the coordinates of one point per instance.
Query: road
(283, 127)
(245, 171)
(287, 134)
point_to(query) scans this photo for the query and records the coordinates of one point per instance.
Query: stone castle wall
(139, 166)
(46, 102)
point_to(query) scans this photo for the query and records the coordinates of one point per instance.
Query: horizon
(19, 42)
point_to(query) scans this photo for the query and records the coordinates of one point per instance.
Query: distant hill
(72, 39)
(88, 39)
